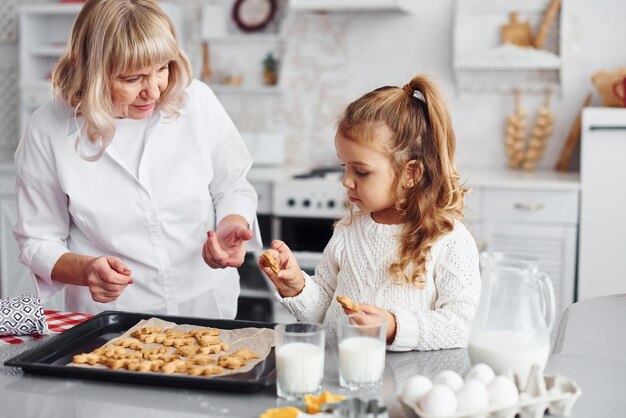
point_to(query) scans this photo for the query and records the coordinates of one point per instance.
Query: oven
(305, 210)
(306, 237)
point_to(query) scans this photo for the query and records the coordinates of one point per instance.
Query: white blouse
(192, 173)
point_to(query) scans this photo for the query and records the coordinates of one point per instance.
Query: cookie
(245, 353)
(204, 370)
(269, 261)
(230, 362)
(201, 359)
(207, 340)
(348, 304)
(131, 343)
(86, 358)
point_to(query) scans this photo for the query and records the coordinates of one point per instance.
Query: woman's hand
(226, 247)
(375, 310)
(289, 280)
(106, 277)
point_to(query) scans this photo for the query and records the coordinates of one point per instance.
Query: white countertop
(484, 178)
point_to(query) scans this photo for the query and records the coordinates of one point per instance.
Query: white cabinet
(15, 278)
(43, 33)
(603, 203)
(532, 214)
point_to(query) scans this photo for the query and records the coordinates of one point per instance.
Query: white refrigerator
(602, 244)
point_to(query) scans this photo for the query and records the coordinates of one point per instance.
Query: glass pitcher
(512, 326)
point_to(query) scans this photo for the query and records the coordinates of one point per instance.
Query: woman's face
(136, 94)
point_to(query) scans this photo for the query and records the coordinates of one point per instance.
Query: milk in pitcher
(509, 349)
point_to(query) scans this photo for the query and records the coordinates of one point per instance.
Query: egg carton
(554, 393)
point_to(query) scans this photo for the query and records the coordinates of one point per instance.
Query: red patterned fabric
(57, 323)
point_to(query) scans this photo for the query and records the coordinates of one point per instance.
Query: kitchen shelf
(230, 52)
(48, 51)
(349, 5)
(482, 64)
(245, 39)
(513, 58)
(244, 89)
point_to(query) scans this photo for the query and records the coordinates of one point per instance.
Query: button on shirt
(155, 217)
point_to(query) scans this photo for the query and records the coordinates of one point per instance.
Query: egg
(439, 401)
(450, 378)
(482, 372)
(472, 396)
(414, 388)
(502, 392)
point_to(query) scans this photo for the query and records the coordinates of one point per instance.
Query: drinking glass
(299, 359)
(362, 342)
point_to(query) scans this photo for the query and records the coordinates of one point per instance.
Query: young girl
(403, 252)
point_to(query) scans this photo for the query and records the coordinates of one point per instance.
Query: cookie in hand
(269, 261)
(347, 303)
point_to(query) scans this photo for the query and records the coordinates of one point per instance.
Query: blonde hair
(422, 131)
(110, 38)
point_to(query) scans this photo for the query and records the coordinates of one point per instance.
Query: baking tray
(51, 358)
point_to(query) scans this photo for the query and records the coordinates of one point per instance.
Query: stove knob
(330, 204)
(306, 203)
(291, 202)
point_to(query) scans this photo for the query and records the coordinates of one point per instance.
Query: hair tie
(414, 93)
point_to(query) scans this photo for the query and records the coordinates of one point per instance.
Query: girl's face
(369, 177)
(135, 95)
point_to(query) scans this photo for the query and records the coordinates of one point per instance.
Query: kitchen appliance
(603, 203)
(305, 209)
(515, 315)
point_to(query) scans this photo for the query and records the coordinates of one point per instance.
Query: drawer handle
(528, 207)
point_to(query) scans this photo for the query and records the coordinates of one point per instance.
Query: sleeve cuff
(307, 298)
(407, 331)
(243, 205)
(42, 266)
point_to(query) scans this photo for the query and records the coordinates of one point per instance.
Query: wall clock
(253, 15)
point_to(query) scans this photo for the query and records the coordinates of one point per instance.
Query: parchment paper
(259, 340)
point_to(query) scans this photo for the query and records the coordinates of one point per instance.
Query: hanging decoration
(514, 133)
(544, 125)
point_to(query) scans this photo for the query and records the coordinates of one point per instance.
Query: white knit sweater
(356, 264)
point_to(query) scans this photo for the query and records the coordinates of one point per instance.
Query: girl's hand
(107, 277)
(375, 310)
(289, 280)
(226, 247)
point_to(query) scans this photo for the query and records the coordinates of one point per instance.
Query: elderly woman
(131, 183)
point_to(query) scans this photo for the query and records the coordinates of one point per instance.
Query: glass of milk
(362, 343)
(299, 359)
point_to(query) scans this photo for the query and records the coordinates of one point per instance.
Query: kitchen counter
(602, 379)
(30, 395)
(488, 178)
